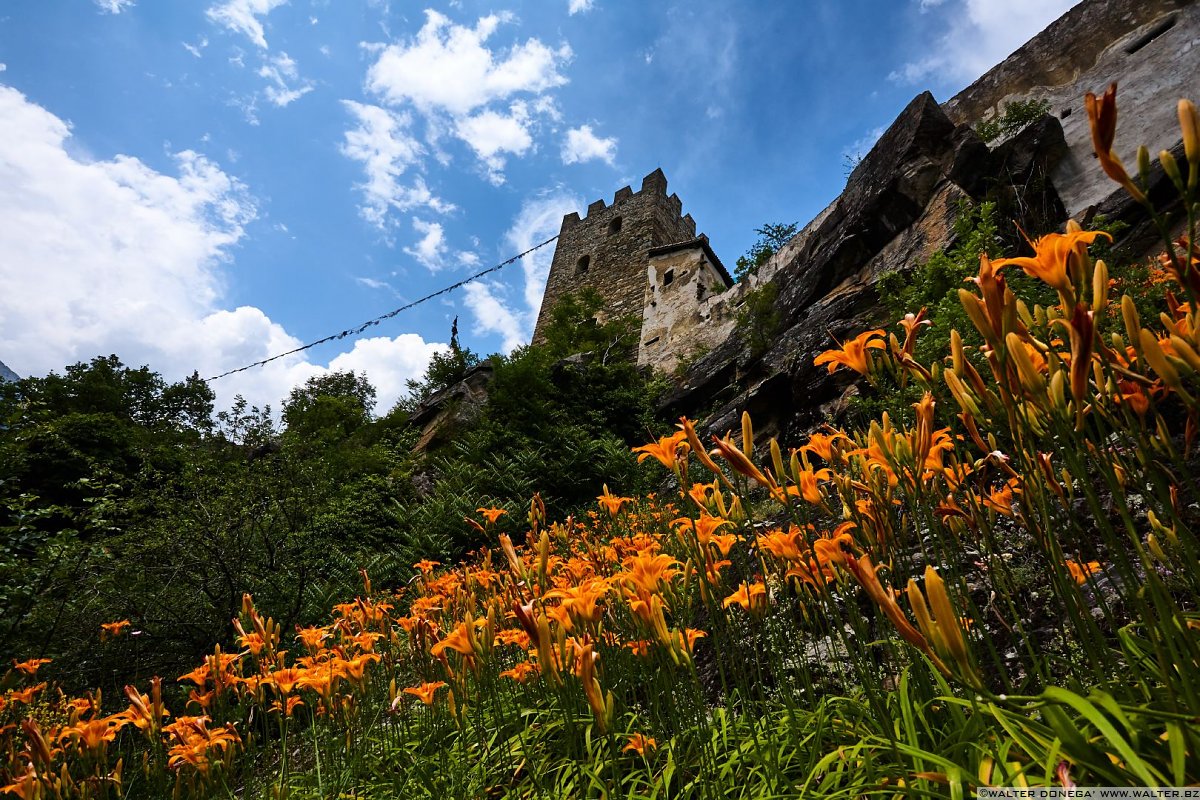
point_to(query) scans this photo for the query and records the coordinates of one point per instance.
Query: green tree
(771, 237)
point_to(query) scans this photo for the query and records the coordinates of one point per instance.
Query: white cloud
(372, 283)
(448, 68)
(389, 363)
(432, 249)
(491, 99)
(576, 6)
(287, 86)
(114, 6)
(493, 315)
(384, 145)
(196, 49)
(490, 304)
(583, 145)
(977, 35)
(244, 17)
(137, 261)
(491, 134)
(858, 149)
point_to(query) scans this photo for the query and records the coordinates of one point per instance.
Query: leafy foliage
(1016, 115)
(758, 319)
(771, 237)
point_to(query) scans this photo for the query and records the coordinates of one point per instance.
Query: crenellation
(655, 182)
(607, 249)
(690, 223)
(676, 204)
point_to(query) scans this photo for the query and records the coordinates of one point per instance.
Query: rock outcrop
(452, 408)
(898, 209)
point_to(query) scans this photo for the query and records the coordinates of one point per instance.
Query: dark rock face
(898, 209)
(7, 374)
(451, 408)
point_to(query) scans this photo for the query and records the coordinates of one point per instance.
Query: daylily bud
(1034, 383)
(1143, 163)
(1133, 324)
(1058, 390)
(1158, 360)
(747, 435)
(777, 459)
(961, 393)
(1185, 352)
(956, 350)
(1189, 125)
(1171, 168)
(1100, 286)
(1156, 549)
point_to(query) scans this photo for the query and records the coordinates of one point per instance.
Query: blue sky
(198, 184)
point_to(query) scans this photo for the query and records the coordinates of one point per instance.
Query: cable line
(372, 322)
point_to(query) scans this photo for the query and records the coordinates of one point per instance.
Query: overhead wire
(373, 322)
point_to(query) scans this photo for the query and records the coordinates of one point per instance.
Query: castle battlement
(608, 249)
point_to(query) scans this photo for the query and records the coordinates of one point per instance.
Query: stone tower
(609, 249)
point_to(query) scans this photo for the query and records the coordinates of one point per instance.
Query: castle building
(642, 255)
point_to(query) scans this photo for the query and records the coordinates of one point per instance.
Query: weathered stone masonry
(608, 249)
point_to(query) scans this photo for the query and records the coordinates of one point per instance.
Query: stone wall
(1151, 48)
(685, 313)
(607, 250)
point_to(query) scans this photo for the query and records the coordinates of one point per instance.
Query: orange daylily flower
(1081, 572)
(1102, 119)
(648, 571)
(312, 637)
(1049, 262)
(667, 450)
(640, 744)
(582, 600)
(93, 734)
(289, 706)
(821, 444)
(111, 630)
(26, 695)
(491, 514)
(522, 672)
(31, 666)
(425, 691)
(458, 640)
(854, 353)
(287, 679)
(912, 324)
(611, 503)
(704, 528)
(752, 597)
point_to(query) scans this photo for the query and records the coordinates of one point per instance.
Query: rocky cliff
(897, 210)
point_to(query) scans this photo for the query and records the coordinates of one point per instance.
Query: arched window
(581, 266)
(614, 227)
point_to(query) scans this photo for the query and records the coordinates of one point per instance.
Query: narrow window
(581, 266)
(1150, 35)
(668, 277)
(653, 341)
(614, 227)
(1066, 112)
